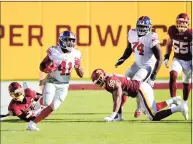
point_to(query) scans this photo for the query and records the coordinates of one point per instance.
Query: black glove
(119, 62)
(153, 76)
(166, 56)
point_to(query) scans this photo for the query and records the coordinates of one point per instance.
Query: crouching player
(26, 103)
(120, 85)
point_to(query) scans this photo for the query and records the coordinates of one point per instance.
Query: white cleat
(118, 117)
(32, 126)
(177, 100)
(184, 109)
(172, 105)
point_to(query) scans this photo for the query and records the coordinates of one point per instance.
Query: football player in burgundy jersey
(26, 103)
(120, 85)
(180, 38)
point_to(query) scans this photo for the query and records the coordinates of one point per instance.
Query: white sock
(175, 109)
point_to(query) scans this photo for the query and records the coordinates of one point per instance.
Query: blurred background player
(180, 38)
(121, 85)
(147, 52)
(58, 63)
(26, 103)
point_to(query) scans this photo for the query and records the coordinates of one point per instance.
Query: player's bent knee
(62, 98)
(156, 118)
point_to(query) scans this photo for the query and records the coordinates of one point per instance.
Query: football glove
(151, 80)
(77, 63)
(50, 67)
(119, 62)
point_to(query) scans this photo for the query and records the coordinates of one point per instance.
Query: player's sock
(124, 99)
(120, 110)
(186, 91)
(44, 113)
(172, 83)
(41, 101)
(161, 105)
(162, 114)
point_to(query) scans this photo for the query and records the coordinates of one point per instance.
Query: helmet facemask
(67, 43)
(142, 29)
(98, 77)
(100, 81)
(182, 24)
(18, 94)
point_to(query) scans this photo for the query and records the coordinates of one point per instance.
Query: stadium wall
(28, 28)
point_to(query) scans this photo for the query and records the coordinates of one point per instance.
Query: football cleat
(177, 100)
(184, 109)
(172, 105)
(32, 126)
(118, 117)
(137, 113)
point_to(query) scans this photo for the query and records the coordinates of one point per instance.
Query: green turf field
(80, 121)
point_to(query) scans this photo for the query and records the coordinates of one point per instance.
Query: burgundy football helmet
(182, 22)
(98, 77)
(16, 91)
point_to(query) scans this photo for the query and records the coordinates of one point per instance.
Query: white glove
(150, 82)
(108, 119)
(166, 63)
(111, 117)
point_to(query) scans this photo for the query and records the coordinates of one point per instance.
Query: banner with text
(27, 29)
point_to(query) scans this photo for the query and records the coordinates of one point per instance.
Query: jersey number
(139, 46)
(65, 68)
(180, 47)
(112, 83)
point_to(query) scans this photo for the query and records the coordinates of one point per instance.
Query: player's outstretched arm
(125, 55)
(117, 99)
(158, 55)
(117, 96)
(168, 51)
